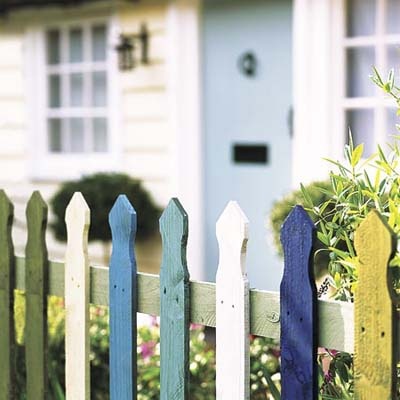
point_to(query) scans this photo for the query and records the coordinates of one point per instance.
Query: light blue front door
(247, 99)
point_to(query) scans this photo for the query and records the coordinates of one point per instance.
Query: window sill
(60, 167)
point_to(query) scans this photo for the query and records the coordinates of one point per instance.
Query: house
(235, 100)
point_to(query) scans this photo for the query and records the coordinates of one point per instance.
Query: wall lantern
(127, 46)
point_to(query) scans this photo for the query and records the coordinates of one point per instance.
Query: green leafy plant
(100, 191)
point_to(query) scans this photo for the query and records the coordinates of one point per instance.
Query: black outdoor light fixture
(126, 48)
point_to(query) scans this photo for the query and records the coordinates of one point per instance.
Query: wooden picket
(295, 315)
(36, 279)
(298, 309)
(174, 307)
(7, 284)
(375, 314)
(122, 292)
(77, 365)
(232, 307)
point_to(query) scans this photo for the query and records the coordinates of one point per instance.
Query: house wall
(145, 134)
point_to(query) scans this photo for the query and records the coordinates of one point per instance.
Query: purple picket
(123, 301)
(298, 299)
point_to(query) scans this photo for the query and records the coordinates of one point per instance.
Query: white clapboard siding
(77, 372)
(232, 306)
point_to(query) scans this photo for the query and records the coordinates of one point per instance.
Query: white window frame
(379, 103)
(319, 88)
(47, 165)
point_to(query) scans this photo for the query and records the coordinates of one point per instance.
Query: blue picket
(298, 302)
(123, 301)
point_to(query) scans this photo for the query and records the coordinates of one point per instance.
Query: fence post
(77, 344)
(7, 284)
(123, 301)
(298, 298)
(232, 306)
(375, 314)
(174, 304)
(36, 280)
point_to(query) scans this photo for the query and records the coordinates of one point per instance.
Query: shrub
(317, 193)
(100, 191)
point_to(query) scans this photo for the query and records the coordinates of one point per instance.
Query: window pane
(54, 91)
(77, 137)
(99, 84)
(76, 90)
(393, 57)
(75, 45)
(99, 43)
(361, 17)
(393, 16)
(391, 120)
(53, 47)
(55, 135)
(360, 61)
(100, 134)
(361, 123)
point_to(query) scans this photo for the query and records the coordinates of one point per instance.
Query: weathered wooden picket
(295, 315)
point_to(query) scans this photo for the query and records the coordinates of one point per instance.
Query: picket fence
(296, 316)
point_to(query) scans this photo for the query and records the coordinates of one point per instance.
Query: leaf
(306, 195)
(271, 385)
(323, 238)
(357, 154)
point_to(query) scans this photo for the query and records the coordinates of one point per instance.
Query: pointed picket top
(232, 230)
(78, 212)
(36, 212)
(174, 232)
(123, 301)
(174, 304)
(6, 208)
(77, 363)
(298, 309)
(298, 222)
(122, 219)
(374, 330)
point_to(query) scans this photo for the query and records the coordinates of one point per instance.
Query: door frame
(185, 80)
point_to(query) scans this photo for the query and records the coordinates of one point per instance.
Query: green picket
(174, 307)
(36, 280)
(7, 284)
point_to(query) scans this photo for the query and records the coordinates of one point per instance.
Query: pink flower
(147, 349)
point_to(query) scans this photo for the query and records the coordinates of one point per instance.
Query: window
(77, 95)
(372, 38)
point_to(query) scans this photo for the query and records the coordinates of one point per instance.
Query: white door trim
(184, 89)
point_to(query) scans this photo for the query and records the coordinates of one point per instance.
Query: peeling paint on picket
(174, 307)
(123, 306)
(7, 284)
(36, 279)
(375, 315)
(77, 365)
(232, 306)
(298, 309)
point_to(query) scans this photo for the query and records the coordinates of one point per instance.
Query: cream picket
(77, 371)
(232, 306)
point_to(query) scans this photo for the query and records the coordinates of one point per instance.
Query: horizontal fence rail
(336, 319)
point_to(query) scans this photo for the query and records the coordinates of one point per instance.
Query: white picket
(77, 364)
(232, 306)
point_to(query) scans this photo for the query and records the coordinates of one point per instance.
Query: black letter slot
(250, 153)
